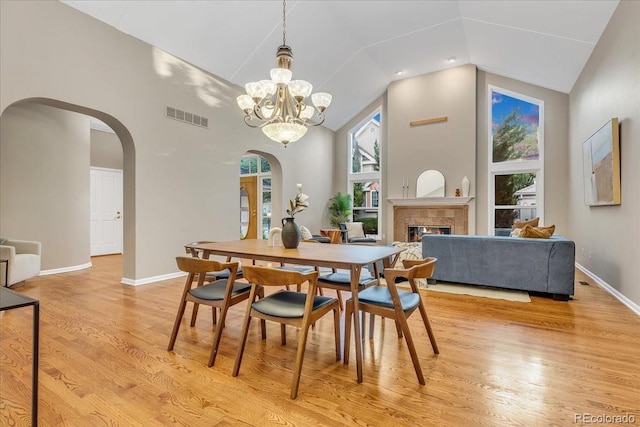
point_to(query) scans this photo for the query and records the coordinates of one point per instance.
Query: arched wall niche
(129, 182)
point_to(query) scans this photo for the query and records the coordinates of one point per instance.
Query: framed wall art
(601, 163)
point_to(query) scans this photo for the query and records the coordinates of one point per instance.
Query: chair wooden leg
(214, 315)
(176, 325)
(372, 324)
(427, 325)
(347, 331)
(399, 329)
(336, 330)
(283, 333)
(218, 335)
(243, 342)
(263, 323)
(194, 314)
(339, 295)
(412, 349)
(297, 369)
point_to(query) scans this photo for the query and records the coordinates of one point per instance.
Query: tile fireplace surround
(445, 211)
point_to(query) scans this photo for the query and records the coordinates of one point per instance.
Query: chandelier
(279, 106)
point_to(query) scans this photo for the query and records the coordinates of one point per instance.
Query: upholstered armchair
(353, 232)
(23, 260)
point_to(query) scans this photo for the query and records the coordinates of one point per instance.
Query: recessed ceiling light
(452, 59)
(399, 72)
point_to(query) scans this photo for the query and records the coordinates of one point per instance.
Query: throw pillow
(305, 233)
(515, 232)
(520, 224)
(355, 229)
(414, 251)
(538, 232)
(3, 240)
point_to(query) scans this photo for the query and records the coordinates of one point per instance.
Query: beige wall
(408, 151)
(44, 182)
(106, 150)
(607, 237)
(556, 153)
(178, 177)
(449, 147)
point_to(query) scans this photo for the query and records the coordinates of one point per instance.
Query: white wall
(180, 180)
(608, 237)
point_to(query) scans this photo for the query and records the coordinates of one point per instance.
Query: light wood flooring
(104, 362)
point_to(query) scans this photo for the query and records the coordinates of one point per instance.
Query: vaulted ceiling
(354, 49)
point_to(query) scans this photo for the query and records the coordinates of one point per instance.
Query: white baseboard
(65, 269)
(138, 282)
(613, 291)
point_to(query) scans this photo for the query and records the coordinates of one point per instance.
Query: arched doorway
(57, 239)
(260, 189)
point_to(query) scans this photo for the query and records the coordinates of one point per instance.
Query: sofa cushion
(537, 232)
(521, 224)
(305, 233)
(355, 229)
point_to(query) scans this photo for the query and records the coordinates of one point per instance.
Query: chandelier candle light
(278, 105)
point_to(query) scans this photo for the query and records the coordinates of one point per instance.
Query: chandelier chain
(284, 22)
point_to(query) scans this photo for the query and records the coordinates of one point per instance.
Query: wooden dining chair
(210, 276)
(199, 253)
(299, 309)
(390, 302)
(219, 294)
(341, 281)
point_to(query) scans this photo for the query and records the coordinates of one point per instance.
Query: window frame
(364, 177)
(514, 166)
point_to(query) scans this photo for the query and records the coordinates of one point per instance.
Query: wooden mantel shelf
(430, 201)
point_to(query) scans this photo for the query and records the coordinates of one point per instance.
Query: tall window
(364, 174)
(516, 166)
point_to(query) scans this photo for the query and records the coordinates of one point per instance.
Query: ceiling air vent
(183, 116)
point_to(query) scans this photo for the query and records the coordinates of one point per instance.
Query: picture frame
(601, 166)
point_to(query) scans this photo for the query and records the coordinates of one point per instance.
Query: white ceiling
(353, 49)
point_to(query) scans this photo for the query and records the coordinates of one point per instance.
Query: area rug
(480, 291)
(461, 289)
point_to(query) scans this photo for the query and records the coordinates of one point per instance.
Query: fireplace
(442, 219)
(415, 232)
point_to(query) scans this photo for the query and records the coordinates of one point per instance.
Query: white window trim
(518, 166)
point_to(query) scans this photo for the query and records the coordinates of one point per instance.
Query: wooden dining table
(350, 257)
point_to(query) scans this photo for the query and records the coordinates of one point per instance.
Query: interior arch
(129, 162)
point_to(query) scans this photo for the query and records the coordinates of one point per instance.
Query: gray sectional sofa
(540, 265)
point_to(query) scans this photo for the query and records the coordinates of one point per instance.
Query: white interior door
(106, 211)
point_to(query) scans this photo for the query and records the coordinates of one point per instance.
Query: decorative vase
(465, 187)
(290, 233)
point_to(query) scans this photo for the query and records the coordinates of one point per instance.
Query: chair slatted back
(267, 276)
(198, 266)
